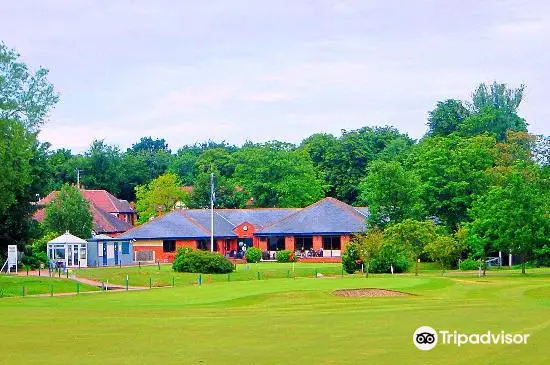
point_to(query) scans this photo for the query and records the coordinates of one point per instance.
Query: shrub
(350, 258)
(285, 256)
(253, 254)
(469, 264)
(199, 261)
(33, 258)
(390, 255)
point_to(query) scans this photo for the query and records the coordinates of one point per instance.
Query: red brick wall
(289, 243)
(317, 242)
(186, 243)
(239, 231)
(344, 242)
(159, 254)
(260, 243)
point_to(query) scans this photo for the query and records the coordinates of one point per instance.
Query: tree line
(477, 166)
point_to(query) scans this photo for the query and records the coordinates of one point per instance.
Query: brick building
(323, 226)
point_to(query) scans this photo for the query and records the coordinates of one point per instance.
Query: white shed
(68, 250)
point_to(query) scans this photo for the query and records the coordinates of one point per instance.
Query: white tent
(68, 250)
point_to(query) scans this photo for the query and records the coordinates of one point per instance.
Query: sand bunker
(368, 292)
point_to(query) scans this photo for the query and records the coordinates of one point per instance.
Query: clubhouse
(320, 231)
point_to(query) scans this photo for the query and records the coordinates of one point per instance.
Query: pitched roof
(106, 222)
(67, 238)
(102, 204)
(179, 224)
(101, 198)
(327, 216)
(259, 217)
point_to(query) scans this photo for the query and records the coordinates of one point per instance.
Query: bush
(469, 264)
(389, 255)
(285, 256)
(350, 258)
(199, 261)
(253, 254)
(33, 258)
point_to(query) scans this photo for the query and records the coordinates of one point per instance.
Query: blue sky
(234, 70)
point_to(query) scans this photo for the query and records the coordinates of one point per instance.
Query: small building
(108, 251)
(68, 250)
(319, 231)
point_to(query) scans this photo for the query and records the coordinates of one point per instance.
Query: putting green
(285, 321)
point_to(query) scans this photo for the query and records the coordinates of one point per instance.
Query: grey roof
(260, 218)
(327, 216)
(177, 224)
(222, 227)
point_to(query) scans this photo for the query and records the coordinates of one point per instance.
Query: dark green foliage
(469, 264)
(205, 262)
(285, 256)
(351, 260)
(447, 117)
(253, 254)
(69, 212)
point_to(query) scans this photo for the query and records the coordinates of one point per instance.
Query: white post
(510, 259)
(499, 258)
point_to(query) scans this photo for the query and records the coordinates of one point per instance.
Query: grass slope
(280, 322)
(12, 285)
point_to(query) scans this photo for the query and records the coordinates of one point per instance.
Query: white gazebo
(68, 250)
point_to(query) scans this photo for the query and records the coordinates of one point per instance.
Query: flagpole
(212, 212)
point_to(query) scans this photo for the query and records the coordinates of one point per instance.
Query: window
(203, 245)
(331, 243)
(125, 248)
(59, 252)
(100, 249)
(169, 246)
(276, 243)
(303, 242)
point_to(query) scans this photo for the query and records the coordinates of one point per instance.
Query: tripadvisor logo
(425, 338)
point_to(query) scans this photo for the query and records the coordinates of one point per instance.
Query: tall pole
(212, 198)
(78, 178)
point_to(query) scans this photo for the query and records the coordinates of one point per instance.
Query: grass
(12, 285)
(282, 321)
(140, 276)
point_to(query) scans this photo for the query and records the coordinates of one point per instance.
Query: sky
(236, 70)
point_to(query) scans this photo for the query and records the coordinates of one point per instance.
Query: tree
(447, 117)
(513, 216)
(490, 119)
(445, 250)
(277, 177)
(369, 246)
(412, 234)
(346, 162)
(24, 97)
(227, 194)
(69, 212)
(101, 167)
(148, 144)
(391, 193)
(15, 156)
(498, 96)
(158, 196)
(452, 170)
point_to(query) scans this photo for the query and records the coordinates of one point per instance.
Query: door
(116, 252)
(105, 253)
(76, 259)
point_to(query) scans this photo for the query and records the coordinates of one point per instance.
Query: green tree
(102, 167)
(498, 96)
(513, 216)
(391, 193)
(447, 117)
(369, 246)
(158, 196)
(452, 170)
(24, 96)
(445, 250)
(227, 193)
(69, 212)
(492, 120)
(15, 156)
(413, 235)
(277, 177)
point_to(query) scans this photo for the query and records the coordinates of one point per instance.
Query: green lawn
(163, 277)
(281, 321)
(12, 285)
